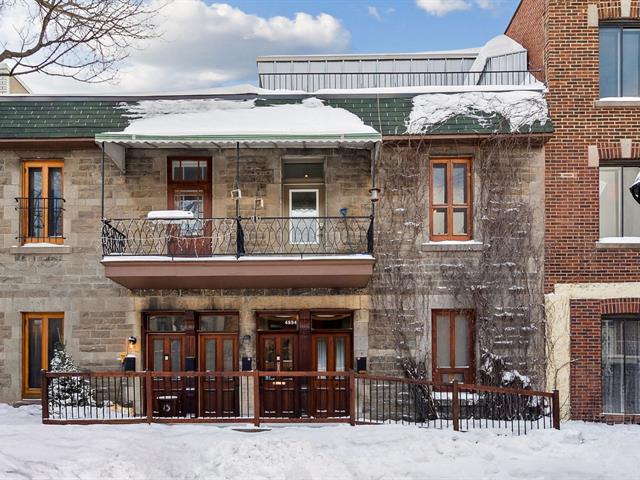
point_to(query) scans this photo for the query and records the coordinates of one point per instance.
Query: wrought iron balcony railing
(241, 236)
(40, 219)
(312, 82)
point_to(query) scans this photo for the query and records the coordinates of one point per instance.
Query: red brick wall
(586, 352)
(527, 28)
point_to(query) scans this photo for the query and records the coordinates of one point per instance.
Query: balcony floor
(291, 271)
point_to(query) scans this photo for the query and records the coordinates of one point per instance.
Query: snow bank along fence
(267, 397)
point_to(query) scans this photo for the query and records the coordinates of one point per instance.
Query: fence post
(556, 409)
(455, 407)
(256, 398)
(148, 395)
(352, 397)
(44, 394)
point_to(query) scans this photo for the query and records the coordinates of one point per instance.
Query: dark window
(189, 170)
(619, 212)
(331, 321)
(218, 323)
(166, 323)
(276, 322)
(621, 365)
(619, 61)
(303, 171)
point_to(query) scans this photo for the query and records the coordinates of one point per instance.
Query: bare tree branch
(82, 39)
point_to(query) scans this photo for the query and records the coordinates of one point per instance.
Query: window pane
(462, 341)
(340, 354)
(630, 63)
(632, 366)
(303, 171)
(34, 330)
(609, 62)
(210, 355)
(36, 204)
(175, 355)
(227, 355)
(166, 323)
(440, 221)
(612, 366)
(218, 323)
(610, 202)
(158, 355)
(460, 226)
(55, 202)
(269, 354)
(630, 208)
(460, 184)
(443, 358)
(54, 337)
(439, 172)
(287, 355)
(321, 349)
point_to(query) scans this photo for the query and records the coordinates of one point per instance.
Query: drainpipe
(102, 183)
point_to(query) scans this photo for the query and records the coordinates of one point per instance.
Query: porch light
(635, 189)
(375, 194)
(132, 341)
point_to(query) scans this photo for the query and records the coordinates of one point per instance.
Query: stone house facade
(592, 253)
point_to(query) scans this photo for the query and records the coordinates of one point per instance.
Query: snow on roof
(496, 47)
(519, 108)
(240, 117)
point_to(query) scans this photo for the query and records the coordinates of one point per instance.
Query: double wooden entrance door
(209, 396)
(296, 396)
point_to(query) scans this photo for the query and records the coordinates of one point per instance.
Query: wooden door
(279, 394)
(172, 395)
(219, 394)
(189, 189)
(453, 352)
(331, 352)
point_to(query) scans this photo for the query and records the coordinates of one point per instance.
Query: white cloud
(487, 4)
(442, 7)
(205, 45)
(373, 11)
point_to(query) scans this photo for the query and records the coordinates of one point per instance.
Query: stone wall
(99, 314)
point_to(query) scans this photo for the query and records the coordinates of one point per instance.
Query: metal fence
(283, 397)
(238, 236)
(312, 82)
(40, 219)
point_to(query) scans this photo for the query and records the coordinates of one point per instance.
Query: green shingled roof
(82, 118)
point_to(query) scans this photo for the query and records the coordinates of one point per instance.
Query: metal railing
(40, 219)
(277, 397)
(238, 236)
(312, 82)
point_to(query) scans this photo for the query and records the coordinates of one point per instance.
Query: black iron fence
(312, 82)
(238, 236)
(268, 397)
(40, 219)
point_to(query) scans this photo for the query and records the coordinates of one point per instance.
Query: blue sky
(402, 25)
(203, 44)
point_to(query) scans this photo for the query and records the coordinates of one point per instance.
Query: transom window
(189, 170)
(41, 204)
(450, 199)
(619, 61)
(619, 212)
(621, 365)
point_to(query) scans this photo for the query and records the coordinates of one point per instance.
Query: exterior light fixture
(375, 194)
(236, 194)
(635, 189)
(132, 341)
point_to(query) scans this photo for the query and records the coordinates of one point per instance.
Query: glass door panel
(54, 217)
(210, 355)
(42, 333)
(158, 355)
(35, 352)
(321, 354)
(304, 207)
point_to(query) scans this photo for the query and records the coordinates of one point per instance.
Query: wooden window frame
(449, 205)
(24, 223)
(45, 316)
(468, 372)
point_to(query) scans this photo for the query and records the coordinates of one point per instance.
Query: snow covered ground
(582, 451)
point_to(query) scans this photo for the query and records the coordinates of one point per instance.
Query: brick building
(588, 50)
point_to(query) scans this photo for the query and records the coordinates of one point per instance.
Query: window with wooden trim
(453, 346)
(450, 199)
(41, 333)
(41, 206)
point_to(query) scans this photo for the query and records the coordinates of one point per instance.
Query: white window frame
(317, 209)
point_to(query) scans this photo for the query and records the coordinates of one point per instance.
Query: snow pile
(169, 214)
(519, 108)
(580, 451)
(496, 47)
(241, 117)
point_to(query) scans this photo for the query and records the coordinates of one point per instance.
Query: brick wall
(527, 28)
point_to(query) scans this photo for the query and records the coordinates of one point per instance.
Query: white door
(304, 210)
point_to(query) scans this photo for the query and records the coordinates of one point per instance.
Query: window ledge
(453, 246)
(618, 242)
(40, 249)
(618, 102)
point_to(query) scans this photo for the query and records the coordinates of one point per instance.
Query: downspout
(102, 183)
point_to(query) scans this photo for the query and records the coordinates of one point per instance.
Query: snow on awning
(199, 123)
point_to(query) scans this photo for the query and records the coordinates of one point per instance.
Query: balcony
(239, 252)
